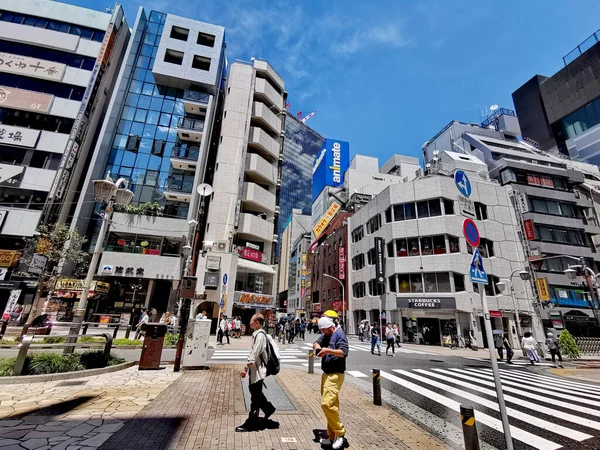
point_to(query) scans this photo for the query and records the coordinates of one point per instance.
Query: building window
(426, 246)
(374, 224)
(390, 249)
(208, 40)
(481, 211)
(392, 283)
(201, 63)
(358, 290)
(560, 235)
(173, 57)
(358, 262)
(158, 147)
(358, 233)
(410, 283)
(437, 282)
(371, 257)
(540, 205)
(179, 33)
(133, 143)
(388, 215)
(454, 245)
(375, 287)
(448, 206)
(486, 248)
(439, 245)
(490, 288)
(459, 282)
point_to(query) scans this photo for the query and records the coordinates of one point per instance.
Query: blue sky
(388, 75)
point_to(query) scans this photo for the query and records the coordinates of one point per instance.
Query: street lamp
(105, 191)
(343, 297)
(501, 285)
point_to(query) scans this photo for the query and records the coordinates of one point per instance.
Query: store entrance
(429, 331)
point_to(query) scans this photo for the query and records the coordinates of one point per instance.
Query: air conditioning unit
(208, 246)
(222, 246)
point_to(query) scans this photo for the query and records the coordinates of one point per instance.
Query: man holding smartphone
(332, 347)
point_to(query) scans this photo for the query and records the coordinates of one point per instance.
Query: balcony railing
(188, 153)
(191, 124)
(197, 97)
(179, 186)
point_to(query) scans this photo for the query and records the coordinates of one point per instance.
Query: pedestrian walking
(221, 330)
(141, 326)
(361, 332)
(509, 350)
(257, 369)
(332, 347)
(554, 348)
(302, 330)
(499, 343)
(367, 332)
(390, 340)
(375, 340)
(397, 334)
(530, 345)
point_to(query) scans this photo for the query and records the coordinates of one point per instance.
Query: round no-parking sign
(471, 232)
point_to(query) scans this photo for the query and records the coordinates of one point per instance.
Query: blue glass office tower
(300, 148)
(157, 136)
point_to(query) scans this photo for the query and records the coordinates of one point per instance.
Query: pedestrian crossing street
(545, 412)
(365, 347)
(290, 356)
(515, 362)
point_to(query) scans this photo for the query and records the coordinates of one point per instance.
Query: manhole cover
(71, 383)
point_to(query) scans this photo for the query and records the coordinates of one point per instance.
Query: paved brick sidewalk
(201, 409)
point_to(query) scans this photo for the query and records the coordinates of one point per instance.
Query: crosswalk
(365, 347)
(545, 412)
(515, 362)
(290, 356)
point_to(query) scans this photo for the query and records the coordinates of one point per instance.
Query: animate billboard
(329, 166)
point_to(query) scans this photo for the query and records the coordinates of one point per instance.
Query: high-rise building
(555, 217)
(300, 148)
(58, 65)
(237, 268)
(562, 112)
(157, 137)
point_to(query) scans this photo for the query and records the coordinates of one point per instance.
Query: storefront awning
(251, 266)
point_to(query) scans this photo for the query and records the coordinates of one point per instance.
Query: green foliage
(14, 341)
(568, 346)
(6, 366)
(42, 363)
(125, 341)
(54, 340)
(93, 359)
(90, 339)
(171, 339)
(114, 360)
(147, 209)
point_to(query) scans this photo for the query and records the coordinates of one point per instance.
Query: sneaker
(393, 355)
(325, 441)
(561, 366)
(338, 443)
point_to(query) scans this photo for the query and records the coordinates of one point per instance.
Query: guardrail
(588, 345)
(27, 340)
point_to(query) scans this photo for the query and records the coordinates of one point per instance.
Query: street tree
(568, 345)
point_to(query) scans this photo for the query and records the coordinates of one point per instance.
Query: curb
(28, 379)
(116, 347)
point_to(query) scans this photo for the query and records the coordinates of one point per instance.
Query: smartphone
(317, 351)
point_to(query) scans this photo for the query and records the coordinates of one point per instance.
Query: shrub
(93, 359)
(125, 341)
(114, 360)
(90, 339)
(6, 366)
(54, 340)
(171, 339)
(42, 363)
(14, 341)
(568, 345)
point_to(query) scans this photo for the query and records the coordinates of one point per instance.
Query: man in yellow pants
(332, 347)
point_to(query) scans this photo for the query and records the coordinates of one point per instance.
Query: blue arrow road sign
(477, 271)
(222, 302)
(462, 183)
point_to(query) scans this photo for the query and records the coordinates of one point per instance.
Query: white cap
(325, 322)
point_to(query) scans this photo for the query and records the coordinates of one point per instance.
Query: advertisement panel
(379, 259)
(11, 175)
(342, 263)
(324, 221)
(251, 254)
(25, 100)
(23, 137)
(9, 258)
(529, 230)
(542, 285)
(329, 166)
(31, 67)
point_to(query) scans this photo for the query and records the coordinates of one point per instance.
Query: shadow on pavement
(155, 433)
(56, 409)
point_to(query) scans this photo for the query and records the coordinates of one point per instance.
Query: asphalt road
(545, 412)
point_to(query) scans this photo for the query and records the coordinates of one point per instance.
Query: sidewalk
(201, 410)
(584, 375)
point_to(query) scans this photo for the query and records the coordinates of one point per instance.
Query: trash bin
(153, 344)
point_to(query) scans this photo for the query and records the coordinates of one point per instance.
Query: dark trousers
(509, 354)
(390, 343)
(227, 336)
(554, 353)
(500, 352)
(258, 400)
(220, 336)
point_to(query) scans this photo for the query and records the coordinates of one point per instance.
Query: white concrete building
(240, 230)
(427, 286)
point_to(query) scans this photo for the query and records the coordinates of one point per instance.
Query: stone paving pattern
(43, 416)
(201, 409)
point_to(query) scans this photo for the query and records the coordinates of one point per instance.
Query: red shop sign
(342, 263)
(529, 231)
(251, 254)
(495, 313)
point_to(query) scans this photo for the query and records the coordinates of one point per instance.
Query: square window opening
(208, 40)
(180, 33)
(173, 57)
(201, 63)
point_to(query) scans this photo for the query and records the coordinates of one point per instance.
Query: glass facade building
(300, 148)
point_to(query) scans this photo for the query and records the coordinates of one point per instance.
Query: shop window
(404, 283)
(426, 246)
(413, 247)
(459, 282)
(401, 247)
(416, 283)
(448, 206)
(454, 244)
(436, 282)
(439, 245)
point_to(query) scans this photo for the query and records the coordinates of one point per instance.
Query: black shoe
(242, 429)
(509, 362)
(269, 414)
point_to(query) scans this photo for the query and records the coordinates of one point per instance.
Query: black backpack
(272, 363)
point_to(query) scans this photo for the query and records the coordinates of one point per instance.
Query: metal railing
(189, 153)
(191, 124)
(497, 113)
(588, 345)
(581, 48)
(179, 186)
(26, 344)
(195, 96)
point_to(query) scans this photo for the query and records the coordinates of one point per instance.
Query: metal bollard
(3, 330)
(116, 331)
(127, 332)
(85, 328)
(311, 361)
(469, 427)
(283, 342)
(377, 387)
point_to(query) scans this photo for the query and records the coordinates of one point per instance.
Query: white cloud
(389, 35)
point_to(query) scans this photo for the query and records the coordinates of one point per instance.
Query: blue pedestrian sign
(462, 183)
(477, 271)
(222, 302)
(224, 280)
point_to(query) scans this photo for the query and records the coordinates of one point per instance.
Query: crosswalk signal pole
(494, 361)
